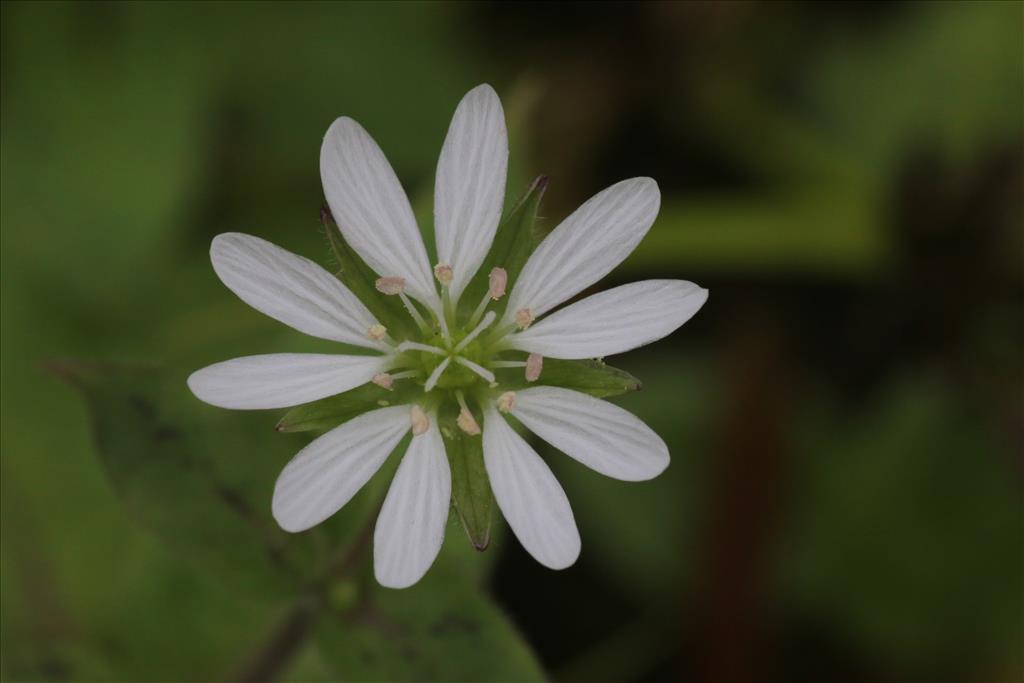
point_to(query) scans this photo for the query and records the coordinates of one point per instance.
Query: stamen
(443, 322)
(383, 380)
(416, 346)
(534, 364)
(377, 332)
(436, 374)
(508, 364)
(497, 281)
(496, 289)
(467, 422)
(506, 402)
(420, 421)
(484, 324)
(443, 273)
(390, 285)
(478, 369)
(524, 318)
(420, 322)
(405, 374)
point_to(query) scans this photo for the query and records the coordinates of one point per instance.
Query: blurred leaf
(156, 468)
(827, 231)
(361, 279)
(645, 535)
(332, 411)
(947, 75)
(593, 377)
(906, 528)
(442, 629)
(514, 241)
(471, 489)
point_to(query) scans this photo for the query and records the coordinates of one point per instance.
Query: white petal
(611, 322)
(281, 380)
(599, 434)
(371, 208)
(410, 528)
(291, 289)
(469, 191)
(331, 469)
(586, 246)
(529, 496)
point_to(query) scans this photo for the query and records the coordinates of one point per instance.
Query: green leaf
(361, 279)
(442, 629)
(593, 377)
(332, 411)
(157, 468)
(471, 489)
(514, 241)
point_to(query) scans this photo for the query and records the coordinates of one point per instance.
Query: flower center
(454, 359)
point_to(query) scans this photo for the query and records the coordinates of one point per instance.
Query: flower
(453, 359)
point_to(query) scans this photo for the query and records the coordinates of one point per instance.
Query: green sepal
(514, 241)
(330, 412)
(471, 489)
(594, 377)
(361, 279)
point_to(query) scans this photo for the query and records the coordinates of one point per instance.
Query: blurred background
(845, 415)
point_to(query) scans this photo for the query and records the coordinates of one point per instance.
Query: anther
(467, 422)
(443, 273)
(506, 402)
(534, 364)
(524, 318)
(390, 285)
(383, 380)
(496, 283)
(377, 332)
(420, 421)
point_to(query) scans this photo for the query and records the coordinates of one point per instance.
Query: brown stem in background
(272, 656)
(750, 455)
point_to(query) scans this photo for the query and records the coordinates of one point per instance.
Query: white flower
(453, 361)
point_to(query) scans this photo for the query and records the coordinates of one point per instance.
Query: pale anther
(497, 281)
(467, 422)
(524, 318)
(506, 402)
(534, 364)
(377, 332)
(443, 273)
(383, 380)
(420, 421)
(390, 285)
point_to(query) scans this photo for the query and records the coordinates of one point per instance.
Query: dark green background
(845, 414)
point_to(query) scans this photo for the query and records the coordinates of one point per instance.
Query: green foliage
(594, 377)
(906, 529)
(441, 629)
(161, 470)
(158, 461)
(332, 411)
